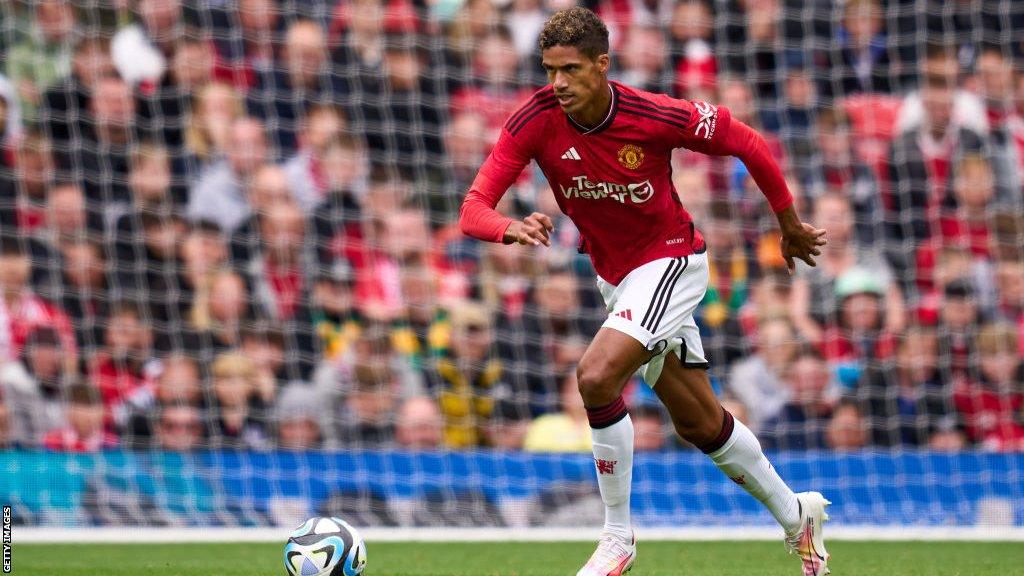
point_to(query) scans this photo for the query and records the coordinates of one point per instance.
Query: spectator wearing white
(317, 169)
(757, 380)
(140, 51)
(34, 387)
(220, 193)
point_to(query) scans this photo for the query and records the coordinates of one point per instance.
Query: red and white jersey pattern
(613, 180)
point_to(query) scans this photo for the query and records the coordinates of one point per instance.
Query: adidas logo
(571, 154)
(627, 314)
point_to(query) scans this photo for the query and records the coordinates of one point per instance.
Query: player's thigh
(607, 365)
(690, 400)
(655, 305)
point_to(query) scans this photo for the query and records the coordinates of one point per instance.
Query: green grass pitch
(526, 559)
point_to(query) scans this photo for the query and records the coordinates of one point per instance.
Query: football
(325, 546)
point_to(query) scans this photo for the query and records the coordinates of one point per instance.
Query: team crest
(631, 156)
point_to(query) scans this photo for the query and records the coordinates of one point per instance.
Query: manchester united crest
(631, 156)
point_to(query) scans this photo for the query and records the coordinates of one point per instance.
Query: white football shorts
(655, 304)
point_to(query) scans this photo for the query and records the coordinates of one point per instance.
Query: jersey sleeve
(712, 130)
(508, 158)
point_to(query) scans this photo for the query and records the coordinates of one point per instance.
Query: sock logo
(605, 466)
(741, 479)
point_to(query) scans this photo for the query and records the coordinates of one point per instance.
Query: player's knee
(597, 384)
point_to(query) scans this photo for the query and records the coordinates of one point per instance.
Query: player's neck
(598, 111)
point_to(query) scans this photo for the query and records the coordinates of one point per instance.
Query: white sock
(613, 457)
(743, 461)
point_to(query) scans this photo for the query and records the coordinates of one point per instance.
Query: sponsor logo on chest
(585, 189)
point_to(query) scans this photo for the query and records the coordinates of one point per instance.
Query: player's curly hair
(577, 27)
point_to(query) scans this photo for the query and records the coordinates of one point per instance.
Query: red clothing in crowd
(67, 440)
(120, 384)
(614, 180)
(32, 312)
(991, 417)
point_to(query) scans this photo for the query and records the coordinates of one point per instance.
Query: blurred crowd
(232, 224)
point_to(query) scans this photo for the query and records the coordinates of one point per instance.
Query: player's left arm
(713, 130)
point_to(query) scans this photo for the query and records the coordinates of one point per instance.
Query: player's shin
(612, 434)
(738, 454)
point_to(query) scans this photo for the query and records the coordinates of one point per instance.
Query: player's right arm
(478, 217)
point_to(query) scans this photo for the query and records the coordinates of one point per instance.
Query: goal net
(234, 291)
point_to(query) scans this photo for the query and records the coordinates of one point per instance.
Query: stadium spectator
(966, 217)
(100, 156)
(163, 106)
(645, 60)
(141, 51)
(336, 322)
(730, 277)
(66, 220)
(239, 416)
(327, 159)
(505, 276)
(991, 401)
(506, 429)
(220, 309)
(814, 301)
(1006, 127)
(938, 126)
(124, 370)
(298, 416)
(905, 399)
(802, 421)
(34, 386)
(275, 356)
(564, 431)
(649, 428)
(219, 193)
(249, 45)
(24, 186)
(366, 419)
(43, 57)
(209, 121)
(179, 428)
(401, 113)
(6, 438)
(525, 19)
(691, 32)
(283, 94)
(152, 189)
(419, 425)
(859, 61)
(1010, 289)
(958, 326)
(10, 122)
(179, 384)
(277, 271)
(857, 337)
(495, 88)
(65, 106)
(757, 381)
(85, 431)
(468, 378)
(846, 429)
(26, 311)
(269, 188)
(83, 293)
(836, 166)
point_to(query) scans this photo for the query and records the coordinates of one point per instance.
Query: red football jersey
(614, 180)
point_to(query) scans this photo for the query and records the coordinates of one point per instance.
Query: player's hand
(802, 242)
(533, 230)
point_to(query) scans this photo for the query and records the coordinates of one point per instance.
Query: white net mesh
(234, 291)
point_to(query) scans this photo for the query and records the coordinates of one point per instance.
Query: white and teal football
(325, 546)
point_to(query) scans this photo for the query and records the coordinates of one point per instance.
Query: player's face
(577, 79)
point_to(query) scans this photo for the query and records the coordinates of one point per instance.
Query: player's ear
(603, 63)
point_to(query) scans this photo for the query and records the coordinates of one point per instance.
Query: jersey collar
(607, 119)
